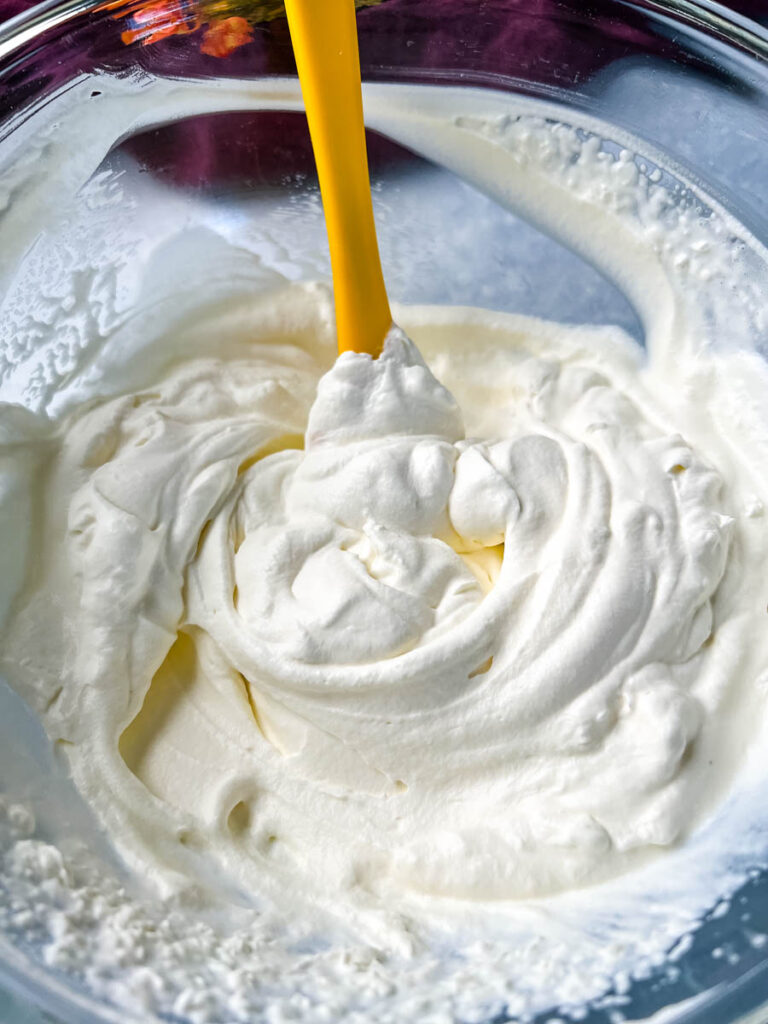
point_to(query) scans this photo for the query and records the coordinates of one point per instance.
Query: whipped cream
(318, 627)
(473, 625)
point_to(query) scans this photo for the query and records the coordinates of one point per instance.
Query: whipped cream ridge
(477, 622)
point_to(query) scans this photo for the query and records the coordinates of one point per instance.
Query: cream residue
(480, 620)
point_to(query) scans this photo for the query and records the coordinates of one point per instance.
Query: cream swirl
(350, 649)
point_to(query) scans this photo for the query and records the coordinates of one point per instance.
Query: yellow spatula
(324, 37)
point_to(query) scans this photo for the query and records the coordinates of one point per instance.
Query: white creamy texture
(372, 636)
(344, 642)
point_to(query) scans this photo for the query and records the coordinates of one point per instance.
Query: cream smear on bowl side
(412, 651)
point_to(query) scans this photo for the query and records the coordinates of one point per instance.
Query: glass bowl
(687, 80)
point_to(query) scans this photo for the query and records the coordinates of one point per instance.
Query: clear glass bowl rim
(706, 15)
